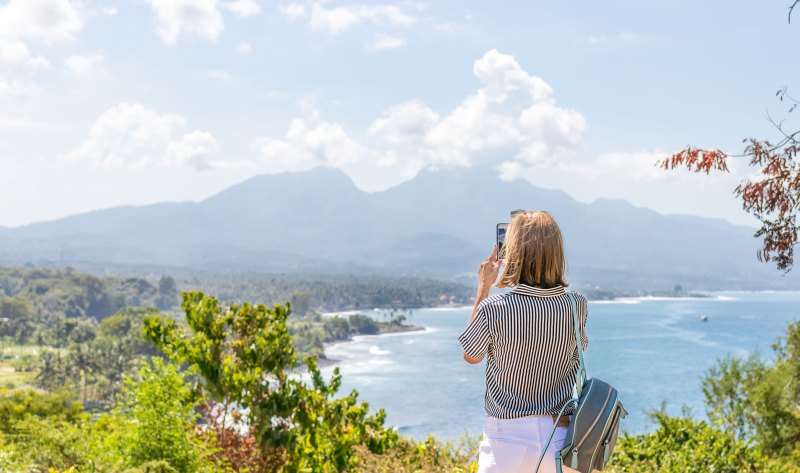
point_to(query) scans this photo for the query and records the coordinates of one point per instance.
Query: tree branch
(791, 8)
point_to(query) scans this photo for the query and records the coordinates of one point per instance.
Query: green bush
(429, 456)
(41, 443)
(759, 402)
(363, 325)
(336, 328)
(159, 409)
(684, 445)
(243, 354)
(19, 404)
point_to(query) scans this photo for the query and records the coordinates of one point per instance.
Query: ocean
(654, 350)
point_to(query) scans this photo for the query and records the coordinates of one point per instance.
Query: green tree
(726, 386)
(98, 301)
(682, 445)
(362, 324)
(301, 303)
(22, 403)
(759, 402)
(244, 354)
(161, 407)
(16, 318)
(336, 328)
(52, 371)
(775, 399)
(167, 293)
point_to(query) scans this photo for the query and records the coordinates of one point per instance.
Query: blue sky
(134, 102)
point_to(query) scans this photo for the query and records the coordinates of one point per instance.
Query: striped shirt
(528, 339)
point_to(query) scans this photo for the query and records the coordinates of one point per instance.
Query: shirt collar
(538, 291)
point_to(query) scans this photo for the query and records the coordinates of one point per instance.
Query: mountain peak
(315, 181)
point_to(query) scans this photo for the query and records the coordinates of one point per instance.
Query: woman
(528, 340)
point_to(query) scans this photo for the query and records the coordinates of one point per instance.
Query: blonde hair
(534, 252)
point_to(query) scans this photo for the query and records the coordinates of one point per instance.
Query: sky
(107, 103)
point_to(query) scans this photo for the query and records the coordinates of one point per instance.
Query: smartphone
(502, 228)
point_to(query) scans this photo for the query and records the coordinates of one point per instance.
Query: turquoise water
(652, 350)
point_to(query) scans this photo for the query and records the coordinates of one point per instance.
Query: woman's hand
(488, 272)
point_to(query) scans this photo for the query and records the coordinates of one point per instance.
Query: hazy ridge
(438, 224)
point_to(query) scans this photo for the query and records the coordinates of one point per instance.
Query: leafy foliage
(96, 367)
(682, 445)
(57, 307)
(774, 196)
(242, 354)
(726, 387)
(22, 403)
(430, 455)
(774, 399)
(160, 409)
(327, 292)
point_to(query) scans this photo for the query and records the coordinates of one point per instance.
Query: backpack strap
(550, 439)
(576, 323)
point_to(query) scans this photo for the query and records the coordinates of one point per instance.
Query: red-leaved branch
(773, 197)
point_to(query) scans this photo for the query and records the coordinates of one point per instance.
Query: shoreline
(401, 329)
(712, 296)
(621, 298)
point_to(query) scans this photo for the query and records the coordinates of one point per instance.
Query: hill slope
(440, 224)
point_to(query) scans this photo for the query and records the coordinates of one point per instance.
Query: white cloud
(194, 150)
(197, 17)
(339, 19)
(39, 62)
(510, 170)
(407, 122)
(511, 122)
(84, 65)
(511, 118)
(244, 8)
(110, 11)
(130, 135)
(45, 20)
(243, 49)
(16, 88)
(383, 41)
(636, 166)
(39, 20)
(307, 146)
(13, 51)
(292, 11)
(175, 17)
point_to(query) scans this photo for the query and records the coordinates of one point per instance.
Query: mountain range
(441, 224)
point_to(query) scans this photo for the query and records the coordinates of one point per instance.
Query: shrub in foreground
(685, 445)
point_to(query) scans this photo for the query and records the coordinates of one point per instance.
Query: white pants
(514, 445)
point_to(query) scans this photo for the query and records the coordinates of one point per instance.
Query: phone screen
(502, 228)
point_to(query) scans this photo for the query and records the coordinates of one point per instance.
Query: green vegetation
(328, 293)
(243, 354)
(218, 387)
(310, 333)
(229, 368)
(65, 329)
(681, 444)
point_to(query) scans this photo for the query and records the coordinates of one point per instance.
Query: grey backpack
(593, 430)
